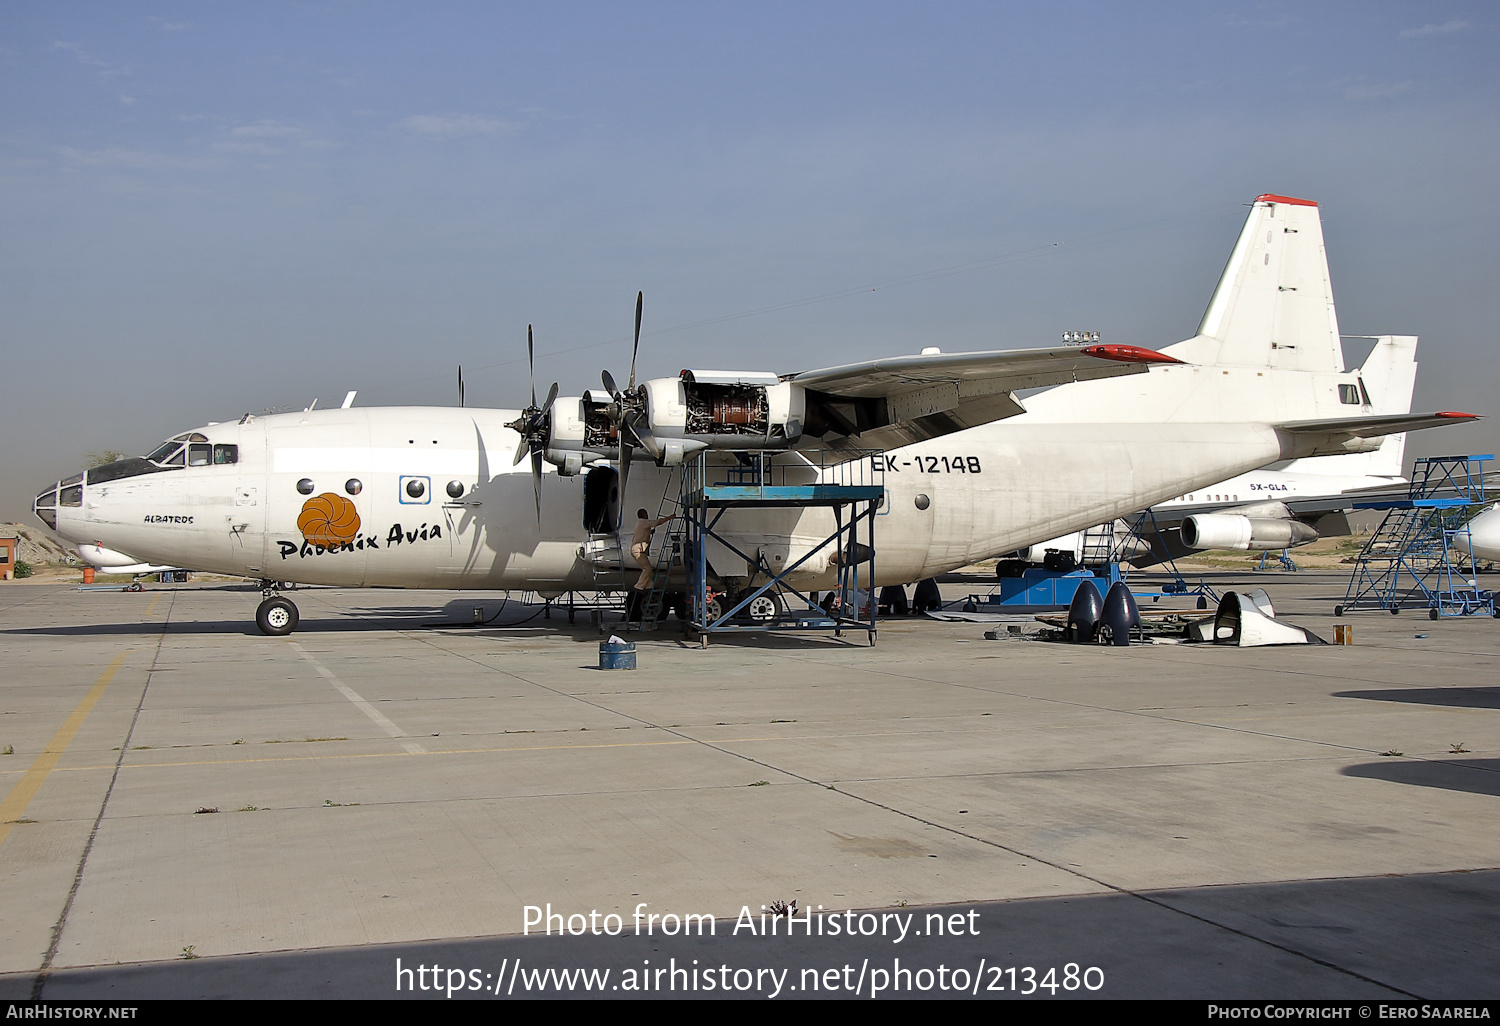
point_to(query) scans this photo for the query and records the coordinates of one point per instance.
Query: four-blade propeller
(627, 413)
(533, 427)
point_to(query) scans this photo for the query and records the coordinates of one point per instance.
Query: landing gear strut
(275, 615)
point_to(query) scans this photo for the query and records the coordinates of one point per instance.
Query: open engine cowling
(725, 410)
(1233, 531)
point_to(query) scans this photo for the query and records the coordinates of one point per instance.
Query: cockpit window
(226, 454)
(160, 455)
(174, 460)
(199, 454)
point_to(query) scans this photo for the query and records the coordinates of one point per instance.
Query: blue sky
(213, 208)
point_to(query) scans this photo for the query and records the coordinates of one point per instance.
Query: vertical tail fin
(1273, 306)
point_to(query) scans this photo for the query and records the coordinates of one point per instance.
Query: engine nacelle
(578, 433)
(726, 410)
(1232, 531)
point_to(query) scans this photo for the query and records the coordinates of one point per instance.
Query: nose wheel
(276, 616)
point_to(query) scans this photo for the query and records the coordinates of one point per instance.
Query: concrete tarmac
(196, 810)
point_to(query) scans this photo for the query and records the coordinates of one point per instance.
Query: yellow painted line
(152, 607)
(20, 796)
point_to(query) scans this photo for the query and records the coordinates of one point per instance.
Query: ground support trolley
(845, 482)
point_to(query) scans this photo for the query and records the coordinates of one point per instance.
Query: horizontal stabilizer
(1336, 435)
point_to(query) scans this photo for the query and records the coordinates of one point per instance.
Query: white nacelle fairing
(578, 434)
(113, 562)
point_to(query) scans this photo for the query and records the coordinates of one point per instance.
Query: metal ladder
(656, 598)
(661, 566)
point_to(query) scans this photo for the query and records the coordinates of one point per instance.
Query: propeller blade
(640, 298)
(609, 385)
(640, 427)
(460, 386)
(536, 482)
(551, 397)
(624, 469)
(521, 450)
(531, 362)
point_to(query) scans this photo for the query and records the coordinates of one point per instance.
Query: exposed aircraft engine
(1233, 531)
(723, 410)
(579, 432)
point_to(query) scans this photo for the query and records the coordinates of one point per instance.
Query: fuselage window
(226, 454)
(1349, 395)
(199, 454)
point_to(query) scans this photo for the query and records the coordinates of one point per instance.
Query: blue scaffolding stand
(1409, 561)
(847, 483)
(1144, 528)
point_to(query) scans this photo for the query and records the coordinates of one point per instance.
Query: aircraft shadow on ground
(1461, 698)
(1476, 776)
(1428, 936)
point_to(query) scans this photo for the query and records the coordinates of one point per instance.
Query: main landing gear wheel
(276, 616)
(764, 608)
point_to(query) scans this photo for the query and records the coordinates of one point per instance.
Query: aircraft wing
(1329, 437)
(887, 403)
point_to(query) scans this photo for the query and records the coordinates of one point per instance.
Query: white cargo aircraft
(424, 498)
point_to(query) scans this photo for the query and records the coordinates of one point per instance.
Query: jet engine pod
(1232, 531)
(1084, 613)
(1119, 616)
(1484, 534)
(1240, 622)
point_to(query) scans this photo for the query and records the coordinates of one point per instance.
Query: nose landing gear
(275, 615)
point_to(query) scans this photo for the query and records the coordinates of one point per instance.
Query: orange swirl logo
(328, 519)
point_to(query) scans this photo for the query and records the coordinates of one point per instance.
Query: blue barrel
(617, 655)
